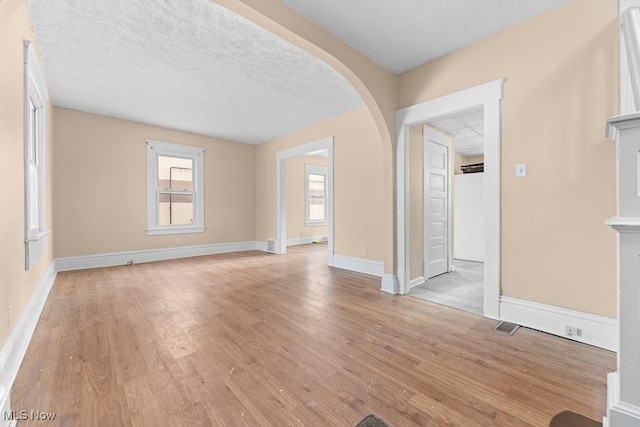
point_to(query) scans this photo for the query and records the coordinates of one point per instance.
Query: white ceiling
(184, 64)
(193, 65)
(468, 129)
(402, 34)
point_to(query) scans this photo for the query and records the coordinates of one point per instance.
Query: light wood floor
(258, 339)
(463, 288)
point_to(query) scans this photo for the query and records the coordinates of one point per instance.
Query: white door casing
(488, 95)
(436, 203)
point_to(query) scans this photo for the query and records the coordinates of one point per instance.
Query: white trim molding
(151, 255)
(13, 351)
(295, 241)
(623, 397)
(156, 149)
(599, 331)
(489, 96)
(389, 284)
(35, 157)
(624, 225)
(416, 282)
(627, 101)
(5, 408)
(619, 413)
(359, 265)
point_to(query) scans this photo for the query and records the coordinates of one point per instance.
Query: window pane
(33, 137)
(175, 173)
(175, 209)
(33, 197)
(316, 185)
(317, 210)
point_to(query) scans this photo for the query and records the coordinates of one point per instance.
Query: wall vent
(271, 246)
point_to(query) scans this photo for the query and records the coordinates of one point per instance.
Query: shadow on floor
(571, 419)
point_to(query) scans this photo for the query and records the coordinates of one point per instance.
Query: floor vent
(271, 246)
(506, 328)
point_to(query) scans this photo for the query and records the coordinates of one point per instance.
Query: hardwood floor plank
(253, 339)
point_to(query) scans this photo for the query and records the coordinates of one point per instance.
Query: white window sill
(315, 224)
(38, 236)
(34, 248)
(175, 230)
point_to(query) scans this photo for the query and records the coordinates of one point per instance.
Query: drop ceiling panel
(464, 133)
(470, 151)
(479, 129)
(474, 118)
(448, 124)
(471, 140)
(467, 127)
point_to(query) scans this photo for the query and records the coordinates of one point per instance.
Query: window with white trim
(34, 157)
(315, 195)
(175, 188)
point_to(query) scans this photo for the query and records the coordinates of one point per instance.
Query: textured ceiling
(400, 35)
(468, 129)
(184, 64)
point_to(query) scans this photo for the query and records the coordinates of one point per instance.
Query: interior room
(282, 212)
(307, 199)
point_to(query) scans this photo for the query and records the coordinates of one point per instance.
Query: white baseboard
(416, 282)
(15, 347)
(121, 258)
(595, 330)
(5, 406)
(305, 240)
(389, 284)
(373, 268)
(619, 413)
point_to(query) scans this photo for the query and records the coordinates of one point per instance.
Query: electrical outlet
(364, 252)
(573, 331)
(521, 170)
(179, 242)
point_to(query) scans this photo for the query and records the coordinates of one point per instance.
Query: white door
(436, 203)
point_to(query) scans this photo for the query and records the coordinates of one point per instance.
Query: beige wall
(561, 84)
(16, 284)
(376, 86)
(100, 180)
(296, 198)
(359, 219)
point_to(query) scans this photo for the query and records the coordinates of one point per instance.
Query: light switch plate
(521, 170)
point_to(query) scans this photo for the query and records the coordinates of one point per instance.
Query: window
(315, 195)
(175, 188)
(34, 157)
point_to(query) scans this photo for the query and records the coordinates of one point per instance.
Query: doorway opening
(487, 97)
(305, 196)
(453, 212)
